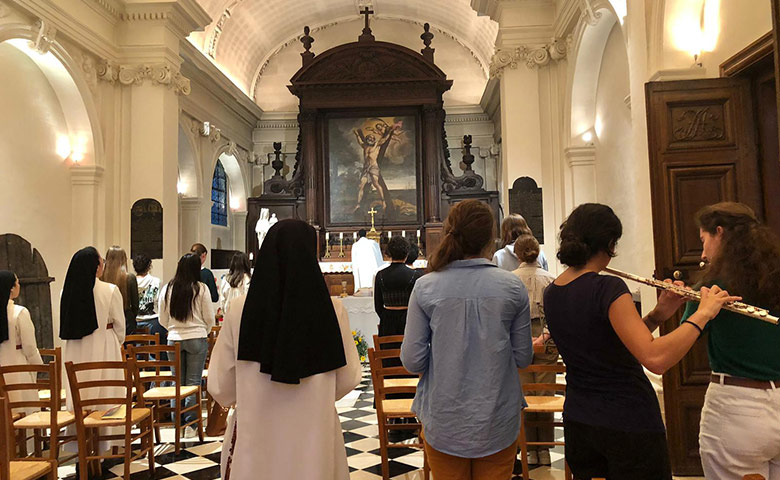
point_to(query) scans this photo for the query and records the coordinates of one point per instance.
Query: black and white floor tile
(200, 460)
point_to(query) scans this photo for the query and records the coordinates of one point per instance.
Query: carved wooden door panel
(18, 256)
(702, 145)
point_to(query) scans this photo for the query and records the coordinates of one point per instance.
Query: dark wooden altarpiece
(369, 79)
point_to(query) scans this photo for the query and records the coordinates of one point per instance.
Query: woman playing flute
(612, 420)
(740, 422)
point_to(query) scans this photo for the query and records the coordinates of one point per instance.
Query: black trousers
(598, 452)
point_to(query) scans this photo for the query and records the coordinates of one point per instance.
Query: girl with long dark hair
(612, 420)
(467, 332)
(236, 282)
(187, 313)
(740, 426)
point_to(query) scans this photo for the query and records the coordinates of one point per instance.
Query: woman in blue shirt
(467, 332)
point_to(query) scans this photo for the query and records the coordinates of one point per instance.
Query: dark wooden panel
(701, 137)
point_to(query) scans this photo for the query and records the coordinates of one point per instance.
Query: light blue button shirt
(468, 330)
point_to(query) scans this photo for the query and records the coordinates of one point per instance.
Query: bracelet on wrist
(697, 327)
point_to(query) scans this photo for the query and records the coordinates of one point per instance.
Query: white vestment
(102, 345)
(21, 333)
(264, 223)
(282, 431)
(366, 260)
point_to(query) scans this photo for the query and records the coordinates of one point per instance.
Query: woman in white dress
(286, 425)
(92, 326)
(17, 338)
(236, 283)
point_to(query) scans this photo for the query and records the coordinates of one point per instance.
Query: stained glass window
(219, 188)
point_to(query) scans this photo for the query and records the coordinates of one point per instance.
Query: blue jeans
(193, 359)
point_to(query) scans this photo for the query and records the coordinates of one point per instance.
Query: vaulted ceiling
(245, 35)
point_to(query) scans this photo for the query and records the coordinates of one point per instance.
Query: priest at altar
(366, 260)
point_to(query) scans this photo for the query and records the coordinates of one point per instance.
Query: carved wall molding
(44, 37)
(277, 124)
(532, 56)
(219, 28)
(159, 74)
(466, 118)
(109, 6)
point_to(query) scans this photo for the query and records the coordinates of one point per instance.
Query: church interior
(154, 125)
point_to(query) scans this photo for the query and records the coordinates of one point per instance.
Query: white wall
(35, 187)
(615, 166)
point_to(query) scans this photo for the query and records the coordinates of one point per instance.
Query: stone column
(149, 34)
(189, 222)
(239, 231)
(86, 181)
(582, 162)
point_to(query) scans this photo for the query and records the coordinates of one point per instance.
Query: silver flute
(738, 307)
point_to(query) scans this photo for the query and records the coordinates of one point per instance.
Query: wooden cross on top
(367, 35)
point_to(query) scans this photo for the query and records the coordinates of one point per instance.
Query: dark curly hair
(142, 263)
(398, 248)
(748, 263)
(590, 229)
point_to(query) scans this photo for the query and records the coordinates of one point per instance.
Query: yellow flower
(356, 342)
(354, 332)
(362, 359)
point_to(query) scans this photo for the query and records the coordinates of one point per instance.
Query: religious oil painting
(372, 167)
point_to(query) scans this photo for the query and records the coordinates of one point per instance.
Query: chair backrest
(212, 340)
(141, 339)
(544, 387)
(34, 382)
(379, 372)
(149, 360)
(7, 437)
(53, 355)
(113, 374)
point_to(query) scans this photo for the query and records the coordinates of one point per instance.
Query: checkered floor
(200, 460)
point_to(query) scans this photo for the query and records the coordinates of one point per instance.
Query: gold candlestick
(341, 247)
(327, 249)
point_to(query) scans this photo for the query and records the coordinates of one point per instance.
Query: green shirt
(742, 346)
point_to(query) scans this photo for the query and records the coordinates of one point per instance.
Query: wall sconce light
(181, 187)
(587, 137)
(235, 203)
(205, 129)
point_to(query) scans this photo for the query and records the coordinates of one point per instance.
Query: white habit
(282, 431)
(366, 260)
(21, 333)
(102, 345)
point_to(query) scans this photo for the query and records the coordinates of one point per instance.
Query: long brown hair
(116, 272)
(468, 230)
(512, 227)
(748, 261)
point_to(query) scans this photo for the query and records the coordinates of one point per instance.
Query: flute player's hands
(669, 302)
(712, 300)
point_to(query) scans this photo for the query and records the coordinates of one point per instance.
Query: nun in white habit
(284, 356)
(17, 339)
(92, 326)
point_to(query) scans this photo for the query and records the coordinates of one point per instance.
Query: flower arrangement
(360, 343)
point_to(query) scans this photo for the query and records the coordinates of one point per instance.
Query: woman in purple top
(612, 421)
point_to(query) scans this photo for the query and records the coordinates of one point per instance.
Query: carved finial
(366, 36)
(307, 40)
(468, 158)
(277, 163)
(426, 37)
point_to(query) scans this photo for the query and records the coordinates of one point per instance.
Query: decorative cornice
(467, 118)
(85, 174)
(216, 33)
(532, 57)
(109, 6)
(580, 156)
(185, 16)
(159, 74)
(277, 124)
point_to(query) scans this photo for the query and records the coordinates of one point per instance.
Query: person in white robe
(366, 260)
(92, 329)
(285, 423)
(17, 340)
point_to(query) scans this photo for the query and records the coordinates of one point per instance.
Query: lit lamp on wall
(697, 27)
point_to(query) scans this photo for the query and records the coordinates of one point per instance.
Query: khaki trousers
(498, 466)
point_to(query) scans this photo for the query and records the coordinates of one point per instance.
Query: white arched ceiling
(271, 93)
(590, 51)
(248, 32)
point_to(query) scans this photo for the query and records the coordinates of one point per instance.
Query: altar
(362, 316)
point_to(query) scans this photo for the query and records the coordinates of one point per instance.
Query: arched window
(219, 189)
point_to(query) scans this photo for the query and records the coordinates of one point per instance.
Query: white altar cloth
(362, 316)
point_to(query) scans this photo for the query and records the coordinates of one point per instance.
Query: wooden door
(702, 150)
(18, 256)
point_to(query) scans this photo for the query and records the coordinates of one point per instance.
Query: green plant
(360, 343)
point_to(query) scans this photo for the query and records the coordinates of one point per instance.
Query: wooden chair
(151, 372)
(21, 469)
(48, 417)
(393, 408)
(94, 412)
(541, 404)
(212, 341)
(53, 355)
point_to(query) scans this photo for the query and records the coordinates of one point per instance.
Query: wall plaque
(146, 228)
(525, 198)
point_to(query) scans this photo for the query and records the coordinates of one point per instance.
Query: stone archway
(18, 256)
